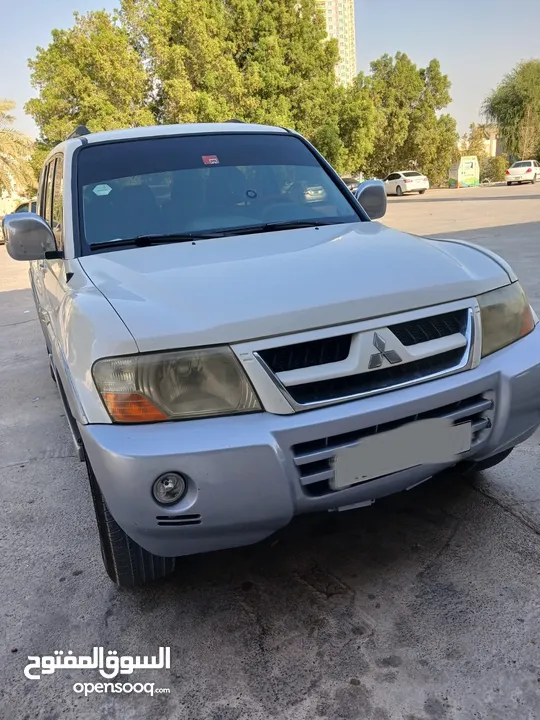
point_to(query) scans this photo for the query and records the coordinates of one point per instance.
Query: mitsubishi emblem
(375, 361)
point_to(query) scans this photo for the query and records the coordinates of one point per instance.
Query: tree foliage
(515, 106)
(493, 169)
(473, 142)
(15, 148)
(410, 131)
(262, 61)
(89, 75)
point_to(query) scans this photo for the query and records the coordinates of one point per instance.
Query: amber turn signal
(132, 408)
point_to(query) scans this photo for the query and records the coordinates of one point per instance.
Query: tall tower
(339, 16)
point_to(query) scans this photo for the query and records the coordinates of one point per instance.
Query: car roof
(179, 129)
(164, 131)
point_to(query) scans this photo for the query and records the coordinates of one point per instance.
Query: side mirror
(27, 236)
(371, 195)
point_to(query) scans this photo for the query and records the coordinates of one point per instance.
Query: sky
(476, 41)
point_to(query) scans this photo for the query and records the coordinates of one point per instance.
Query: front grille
(430, 328)
(336, 349)
(307, 354)
(377, 380)
(314, 459)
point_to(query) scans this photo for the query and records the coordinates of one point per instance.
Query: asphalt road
(422, 607)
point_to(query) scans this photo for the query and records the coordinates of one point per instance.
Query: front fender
(86, 329)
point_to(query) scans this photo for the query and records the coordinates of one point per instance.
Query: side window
(47, 205)
(41, 196)
(58, 203)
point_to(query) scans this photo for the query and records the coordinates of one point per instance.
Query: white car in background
(407, 181)
(523, 171)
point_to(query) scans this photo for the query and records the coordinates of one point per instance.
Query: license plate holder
(422, 442)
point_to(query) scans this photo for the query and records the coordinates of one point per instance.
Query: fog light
(169, 488)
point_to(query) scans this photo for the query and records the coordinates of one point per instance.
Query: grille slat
(178, 520)
(313, 459)
(387, 377)
(413, 332)
(330, 350)
(308, 354)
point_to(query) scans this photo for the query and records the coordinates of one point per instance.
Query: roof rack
(79, 131)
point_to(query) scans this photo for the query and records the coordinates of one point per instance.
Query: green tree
(356, 124)
(473, 142)
(89, 75)
(515, 107)
(161, 61)
(263, 61)
(410, 132)
(15, 149)
(493, 169)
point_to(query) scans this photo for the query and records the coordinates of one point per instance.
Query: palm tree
(15, 150)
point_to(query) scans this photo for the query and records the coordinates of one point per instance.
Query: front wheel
(127, 563)
(399, 191)
(509, 183)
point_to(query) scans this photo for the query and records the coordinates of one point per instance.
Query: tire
(509, 183)
(470, 468)
(399, 191)
(421, 192)
(533, 181)
(126, 563)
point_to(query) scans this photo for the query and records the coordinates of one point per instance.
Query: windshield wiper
(156, 239)
(274, 227)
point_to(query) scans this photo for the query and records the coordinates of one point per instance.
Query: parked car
(406, 181)
(351, 183)
(27, 206)
(523, 171)
(236, 355)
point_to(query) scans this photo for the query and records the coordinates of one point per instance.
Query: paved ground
(424, 607)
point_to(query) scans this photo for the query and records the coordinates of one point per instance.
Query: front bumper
(243, 481)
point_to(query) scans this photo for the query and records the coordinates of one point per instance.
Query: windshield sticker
(210, 159)
(102, 189)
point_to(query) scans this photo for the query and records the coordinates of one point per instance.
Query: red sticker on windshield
(210, 159)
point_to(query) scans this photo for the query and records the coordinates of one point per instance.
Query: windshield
(203, 183)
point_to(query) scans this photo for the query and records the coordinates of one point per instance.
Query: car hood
(240, 288)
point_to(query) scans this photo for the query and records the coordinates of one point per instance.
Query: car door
(390, 183)
(55, 275)
(38, 267)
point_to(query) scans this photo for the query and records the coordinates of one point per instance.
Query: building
(339, 16)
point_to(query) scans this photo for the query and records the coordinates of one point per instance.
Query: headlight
(506, 317)
(174, 386)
